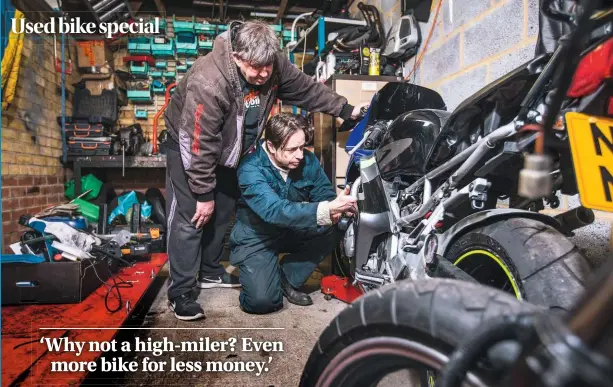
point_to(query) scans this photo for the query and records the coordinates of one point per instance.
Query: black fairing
(407, 143)
(396, 98)
(496, 104)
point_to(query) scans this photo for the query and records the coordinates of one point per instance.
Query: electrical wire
(539, 145)
(421, 54)
(116, 285)
(303, 55)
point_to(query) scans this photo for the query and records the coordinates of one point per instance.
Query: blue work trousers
(255, 254)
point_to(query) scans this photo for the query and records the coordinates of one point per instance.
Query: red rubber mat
(26, 360)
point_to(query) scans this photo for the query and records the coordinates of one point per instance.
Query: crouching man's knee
(261, 304)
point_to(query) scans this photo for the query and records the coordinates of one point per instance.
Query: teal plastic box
(187, 44)
(141, 114)
(163, 47)
(204, 44)
(163, 24)
(139, 69)
(140, 95)
(206, 29)
(181, 26)
(140, 45)
(161, 64)
(170, 74)
(155, 74)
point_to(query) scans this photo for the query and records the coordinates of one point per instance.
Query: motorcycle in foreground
(428, 181)
(445, 332)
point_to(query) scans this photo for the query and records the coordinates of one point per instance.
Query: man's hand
(204, 211)
(342, 203)
(336, 218)
(356, 110)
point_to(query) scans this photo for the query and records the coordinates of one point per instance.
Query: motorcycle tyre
(438, 313)
(548, 269)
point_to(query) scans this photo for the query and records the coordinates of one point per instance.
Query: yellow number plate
(591, 142)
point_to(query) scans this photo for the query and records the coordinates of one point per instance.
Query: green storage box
(140, 45)
(162, 47)
(186, 44)
(181, 26)
(90, 211)
(89, 182)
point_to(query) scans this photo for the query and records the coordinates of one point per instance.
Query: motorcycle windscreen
(396, 98)
(407, 143)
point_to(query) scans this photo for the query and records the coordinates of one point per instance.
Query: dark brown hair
(281, 127)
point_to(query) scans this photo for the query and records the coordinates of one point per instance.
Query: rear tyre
(525, 257)
(410, 324)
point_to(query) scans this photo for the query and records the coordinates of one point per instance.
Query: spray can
(374, 65)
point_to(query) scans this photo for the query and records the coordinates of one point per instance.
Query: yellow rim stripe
(499, 262)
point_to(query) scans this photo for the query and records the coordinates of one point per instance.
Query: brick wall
(473, 43)
(32, 174)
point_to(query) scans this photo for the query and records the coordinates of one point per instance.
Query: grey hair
(281, 127)
(256, 43)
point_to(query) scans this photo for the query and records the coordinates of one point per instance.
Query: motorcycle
(445, 332)
(429, 181)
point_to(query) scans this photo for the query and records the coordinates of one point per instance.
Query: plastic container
(155, 74)
(89, 182)
(99, 146)
(206, 29)
(181, 26)
(140, 45)
(139, 69)
(187, 44)
(162, 47)
(85, 130)
(90, 211)
(205, 43)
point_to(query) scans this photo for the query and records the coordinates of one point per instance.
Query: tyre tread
(537, 252)
(442, 302)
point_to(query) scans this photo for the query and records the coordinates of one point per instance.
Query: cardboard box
(94, 57)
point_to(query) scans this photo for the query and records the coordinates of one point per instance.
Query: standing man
(287, 205)
(214, 118)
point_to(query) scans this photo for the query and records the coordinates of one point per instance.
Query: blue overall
(276, 216)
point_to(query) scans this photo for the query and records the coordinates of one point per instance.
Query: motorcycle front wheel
(410, 325)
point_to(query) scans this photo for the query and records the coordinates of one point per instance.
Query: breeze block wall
(473, 43)
(33, 176)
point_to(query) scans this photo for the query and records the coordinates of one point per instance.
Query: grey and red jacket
(205, 115)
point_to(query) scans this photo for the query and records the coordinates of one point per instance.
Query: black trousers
(190, 249)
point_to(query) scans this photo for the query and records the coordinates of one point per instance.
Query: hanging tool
(157, 116)
(58, 62)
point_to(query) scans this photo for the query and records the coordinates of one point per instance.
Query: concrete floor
(300, 329)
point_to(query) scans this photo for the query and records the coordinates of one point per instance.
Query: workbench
(25, 360)
(116, 161)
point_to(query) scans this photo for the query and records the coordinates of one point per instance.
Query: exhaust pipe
(575, 218)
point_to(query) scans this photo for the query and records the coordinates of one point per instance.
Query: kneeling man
(287, 205)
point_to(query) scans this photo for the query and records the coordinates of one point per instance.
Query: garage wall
(473, 43)
(32, 175)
